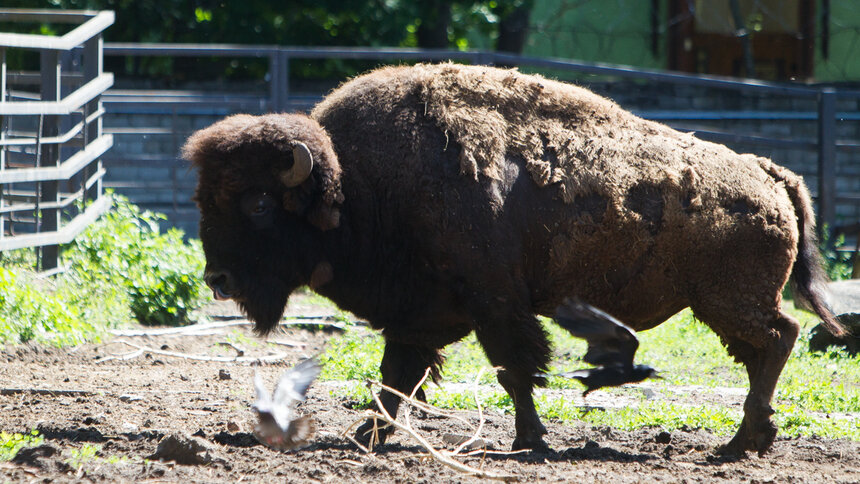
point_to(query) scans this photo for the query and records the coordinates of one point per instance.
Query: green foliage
(160, 273)
(121, 266)
(354, 356)
(87, 453)
(837, 263)
(393, 23)
(354, 394)
(31, 310)
(10, 444)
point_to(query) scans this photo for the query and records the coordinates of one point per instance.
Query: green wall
(619, 32)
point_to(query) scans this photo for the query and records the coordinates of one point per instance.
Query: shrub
(161, 274)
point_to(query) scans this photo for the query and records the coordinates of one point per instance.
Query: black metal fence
(812, 129)
(51, 139)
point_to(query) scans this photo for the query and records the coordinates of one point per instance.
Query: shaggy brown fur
(447, 199)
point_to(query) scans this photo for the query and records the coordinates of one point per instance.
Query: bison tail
(808, 280)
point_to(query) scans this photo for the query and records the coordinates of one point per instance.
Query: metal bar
(48, 156)
(827, 157)
(46, 15)
(66, 199)
(69, 41)
(67, 105)
(59, 139)
(723, 137)
(64, 170)
(274, 81)
(749, 85)
(62, 236)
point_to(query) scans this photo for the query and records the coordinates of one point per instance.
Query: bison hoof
(535, 445)
(370, 434)
(759, 441)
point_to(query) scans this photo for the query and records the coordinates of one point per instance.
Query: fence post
(49, 218)
(827, 158)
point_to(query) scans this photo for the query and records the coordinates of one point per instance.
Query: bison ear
(303, 163)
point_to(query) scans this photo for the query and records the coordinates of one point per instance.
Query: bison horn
(303, 162)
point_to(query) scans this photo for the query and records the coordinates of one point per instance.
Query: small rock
(183, 378)
(232, 427)
(224, 375)
(591, 445)
(199, 433)
(91, 421)
(147, 423)
(182, 449)
(130, 428)
(165, 347)
(663, 437)
(130, 398)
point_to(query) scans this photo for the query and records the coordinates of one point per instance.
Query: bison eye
(258, 205)
(261, 207)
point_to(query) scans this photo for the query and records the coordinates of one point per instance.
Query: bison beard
(437, 200)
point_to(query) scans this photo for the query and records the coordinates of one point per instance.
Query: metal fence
(812, 129)
(51, 136)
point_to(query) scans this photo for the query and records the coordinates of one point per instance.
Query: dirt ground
(82, 397)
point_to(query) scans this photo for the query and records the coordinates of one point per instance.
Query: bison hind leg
(764, 360)
(520, 346)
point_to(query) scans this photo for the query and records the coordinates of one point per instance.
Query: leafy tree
(405, 23)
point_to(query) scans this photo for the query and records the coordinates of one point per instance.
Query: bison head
(269, 187)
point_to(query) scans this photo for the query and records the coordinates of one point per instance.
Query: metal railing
(280, 97)
(51, 139)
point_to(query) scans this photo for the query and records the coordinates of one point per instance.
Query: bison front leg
(521, 348)
(403, 366)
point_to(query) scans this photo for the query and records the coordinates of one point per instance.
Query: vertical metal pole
(50, 91)
(827, 158)
(274, 81)
(93, 66)
(2, 137)
(284, 66)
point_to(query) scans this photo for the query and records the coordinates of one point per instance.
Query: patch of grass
(354, 394)
(354, 356)
(11, 443)
(87, 453)
(687, 352)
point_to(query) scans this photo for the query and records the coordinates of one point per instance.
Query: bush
(160, 273)
(120, 267)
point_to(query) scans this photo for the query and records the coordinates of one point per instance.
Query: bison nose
(219, 281)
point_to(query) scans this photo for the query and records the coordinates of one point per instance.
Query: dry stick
(239, 351)
(442, 458)
(480, 416)
(227, 359)
(419, 404)
(43, 391)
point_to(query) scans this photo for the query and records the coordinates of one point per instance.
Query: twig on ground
(288, 343)
(182, 330)
(144, 349)
(43, 391)
(239, 351)
(443, 456)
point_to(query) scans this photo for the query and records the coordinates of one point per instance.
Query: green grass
(10, 444)
(818, 394)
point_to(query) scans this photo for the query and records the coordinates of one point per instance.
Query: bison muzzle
(437, 200)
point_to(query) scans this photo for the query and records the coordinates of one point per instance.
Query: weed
(10, 444)
(87, 453)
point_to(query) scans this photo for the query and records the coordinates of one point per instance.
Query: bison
(437, 200)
